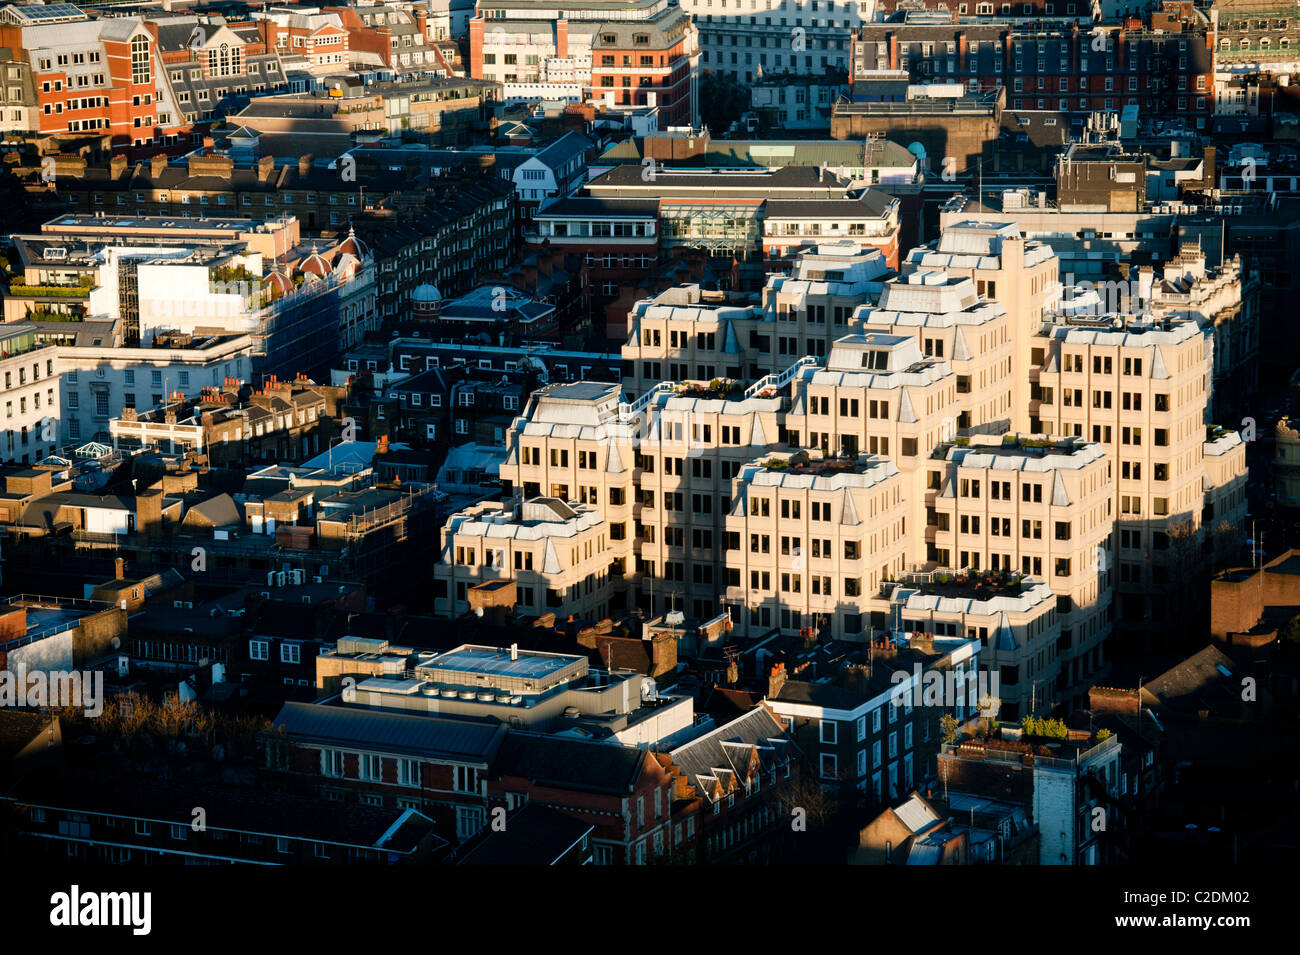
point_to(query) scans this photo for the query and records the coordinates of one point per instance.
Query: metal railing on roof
(31, 636)
(779, 380)
(76, 603)
(629, 411)
(1049, 762)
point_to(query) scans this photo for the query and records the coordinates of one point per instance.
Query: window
(829, 731)
(332, 763)
(290, 653)
(466, 779)
(258, 649)
(139, 60)
(408, 772)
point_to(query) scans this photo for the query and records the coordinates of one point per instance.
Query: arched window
(140, 60)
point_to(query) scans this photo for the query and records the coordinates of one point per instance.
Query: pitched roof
(459, 739)
(220, 510)
(731, 754)
(534, 835)
(1195, 682)
(570, 763)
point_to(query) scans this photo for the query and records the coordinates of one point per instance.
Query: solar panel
(48, 13)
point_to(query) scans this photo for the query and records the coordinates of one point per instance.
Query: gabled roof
(220, 510)
(726, 758)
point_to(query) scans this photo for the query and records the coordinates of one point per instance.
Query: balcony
(49, 291)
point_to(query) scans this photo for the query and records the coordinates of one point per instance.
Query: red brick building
(90, 76)
(634, 55)
(625, 793)
(1161, 64)
(437, 766)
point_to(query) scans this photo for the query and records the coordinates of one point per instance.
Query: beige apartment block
(689, 333)
(693, 438)
(1224, 511)
(952, 322)
(557, 553)
(809, 538)
(1140, 389)
(1286, 463)
(814, 304)
(876, 393)
(686, 332)
(569, 444)
(1022, 275)
(1043, 509)
(1014, 618)
(1224, 299)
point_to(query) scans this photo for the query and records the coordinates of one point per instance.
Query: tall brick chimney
(776, 680)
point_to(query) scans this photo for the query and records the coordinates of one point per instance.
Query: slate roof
(600, 206)
(1196, 683)
(872, 202)
(570, 763)
(563, 149)
(534, 835)
(228, 807)
(724, 759)
(459, 739)
(220, 510)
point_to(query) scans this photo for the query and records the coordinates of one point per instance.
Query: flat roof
(529, 664)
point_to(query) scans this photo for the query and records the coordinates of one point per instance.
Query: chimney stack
(776, 681)
(119, 569)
